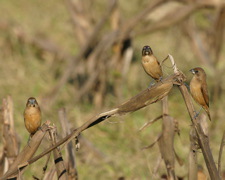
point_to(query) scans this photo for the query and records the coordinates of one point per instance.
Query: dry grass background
(24, 73)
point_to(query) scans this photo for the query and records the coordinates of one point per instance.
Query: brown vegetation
(99, 67)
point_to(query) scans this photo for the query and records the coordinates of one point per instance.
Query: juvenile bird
(151, 64)
(198, 88)
(32, 116)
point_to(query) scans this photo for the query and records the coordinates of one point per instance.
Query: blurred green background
(38, 39)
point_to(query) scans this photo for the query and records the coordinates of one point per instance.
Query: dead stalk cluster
(13, 162)
(94, 53)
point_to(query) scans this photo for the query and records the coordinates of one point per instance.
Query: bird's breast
(196, 92)
(152, 67)
(148, 59)
(32, 119)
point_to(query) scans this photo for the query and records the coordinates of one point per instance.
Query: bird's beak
(32, 101)
(192, 71)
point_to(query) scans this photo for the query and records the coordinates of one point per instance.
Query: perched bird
(198, 88)
(32, 116)
(151, 64)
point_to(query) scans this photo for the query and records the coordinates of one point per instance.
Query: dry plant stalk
(50, 174)
(220, 152)
(10, 140)
(46, 166)
(59, 162)
(156, 168)
(202, 139)
(144, 98)
(70, 155)
(28, 151)
(192, 158)
(193, 168)
(166, 141)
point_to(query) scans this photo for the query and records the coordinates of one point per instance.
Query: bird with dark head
(198, 88)
(32, 116)
(151, 64)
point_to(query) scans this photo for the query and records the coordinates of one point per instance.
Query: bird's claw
(28, 142)
(160, 79)
(196, 114)
(39, 128)
(187, 86)
(151, 84)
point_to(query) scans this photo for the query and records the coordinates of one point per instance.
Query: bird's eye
(196, 71)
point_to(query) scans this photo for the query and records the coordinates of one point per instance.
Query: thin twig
(151, 145)
(161, 63)
(150, 122)
(179, 160)
(156, 168)
(220, 153)
(46, 165)
(175, 69)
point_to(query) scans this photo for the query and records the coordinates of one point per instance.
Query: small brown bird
(151, 64)
(198, 88)
(32, 116)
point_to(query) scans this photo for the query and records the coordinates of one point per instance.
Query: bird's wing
(158, 62)
(205, 93)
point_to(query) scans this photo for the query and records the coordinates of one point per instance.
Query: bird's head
(198, 71)
(32, 102)
(146, 50)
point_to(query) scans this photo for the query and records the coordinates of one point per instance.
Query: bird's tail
(207, 111)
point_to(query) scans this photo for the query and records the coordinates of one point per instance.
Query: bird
(151, 64)
(198, 89)
(32, 116)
